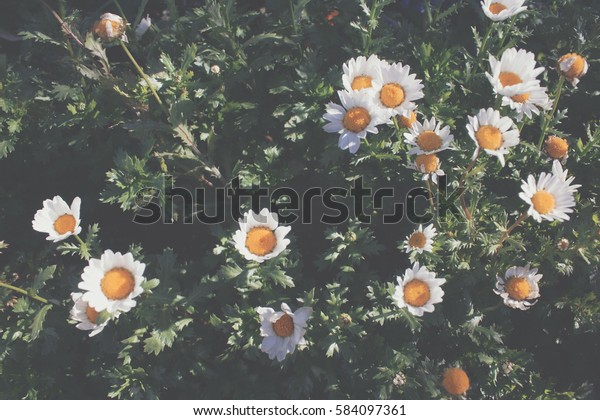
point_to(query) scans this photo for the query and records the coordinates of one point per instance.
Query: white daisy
(492, 133)
(57, 219)
(528, 101)
(399, 89)
(112, 282)
(429, 137)
(551, 196)
(514, 73)
(362, 73)
(357, 116)
(498, 10)
(420, 240)
(85, 315)
(282, 330)
(573, 67)
(519, 287)
(418, 290)
(260, 237)
(429, 166)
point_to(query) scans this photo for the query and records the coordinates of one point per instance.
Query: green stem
(121, 12)
(23, 291)
(293, 13)
(484, 42)
(506, 233)
(371, 26)
(429, 190)
(145, 77)
(506, 32)
(398, 129)
(548, 118)
(79, 240)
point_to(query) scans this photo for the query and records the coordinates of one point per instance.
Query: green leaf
(41, 278)
(38, 321)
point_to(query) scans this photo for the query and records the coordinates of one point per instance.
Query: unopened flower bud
(350, 236)
(573, 67)
(345, 320)
(110, 27)
(214, 69)
(399, 380)
(507, 367)
(563, 244)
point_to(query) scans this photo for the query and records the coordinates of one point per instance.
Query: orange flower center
(429, 141)
(65, 223)
(508, 78)
(117, 283)
(108, 29)
(496, 8)
(91, 314)
(489, 137)
(518, 288)
(284, 326)
(577, 67)
(429, 163)
(522, 98)
(418, 240)
(416, 293)
(260, 240)
(556, 147)
(407, 122)
(392, 95)
(357, 119)
(456, 381)
(362, 82)
(543, 202)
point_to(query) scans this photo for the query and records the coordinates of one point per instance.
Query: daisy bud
(350, 236)
(573, 67)
(563, 244)
(110, 27)
(455, 381)
(407, 119)
(399, 380)
(556, 147)
(507, 367)
(214, 69)
(345, 320)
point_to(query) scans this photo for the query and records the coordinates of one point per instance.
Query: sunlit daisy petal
(418, 290)
(399, 89)
(498, 10)
(428, 137)
(519, 287)
(492, 133)
(282, 330)
(420, 240)
(58, 219)
(362, 73)
(86, 316)
(260, 237)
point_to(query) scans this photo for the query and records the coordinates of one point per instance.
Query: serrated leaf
(41, 278)
(38, 321)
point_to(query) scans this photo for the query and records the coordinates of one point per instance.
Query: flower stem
(79, 240)
(293, 14)
(430, 195)
(23, 291)
(371, 26)
(461, 185)
(507, 232)
(548, 118)
(397, 126)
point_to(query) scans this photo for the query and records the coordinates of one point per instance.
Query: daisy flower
(514, 72)
(87, 316)
(282, 330)
(519, 288)
(399, 89)
(551, 196)
(57, 219)
(556, 148)
(362, 73)
(260, 237)
(498, 10)
(407, 118)
(429, 137)
(528, 102)
(110, 28)
(455, 381)
(419, 290)
(357, 116)
(573, 67)
(429, 166)
(112, 282)
(492, 133)
(420, 240)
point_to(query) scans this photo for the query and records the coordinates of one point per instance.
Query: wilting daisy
(557, 148)
(362, 73)
(260, 237)
(420, 240)
(429, 137)
(498, 10)
(492, 133)
(573, 67)
(406, 118)
(519, 287)
(399, 89)
(357, 116)
(551, 196)
(57, 219)
(429, 166)
(282, 330)
(455, 381)
(85, 315)
(110, 28)
(418, 290)
(112, 282)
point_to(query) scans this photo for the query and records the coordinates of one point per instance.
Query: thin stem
(116, 2)
(548, 118)
(23, 291)
(145, 77)
(293, 13)
(461, 185)
(506, 32)
(79, 240)
(63, 25)
(508, 231)
(397, 126)
(371, 26)
(431, 203)
(485, 41)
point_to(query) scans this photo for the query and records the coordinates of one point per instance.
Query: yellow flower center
(429, 163)
(543, 202)
(391, 95)
(417, 240)
(496, 8)
(65, 223)
(428, 141)
(284, 326)
(407, 122)
(91, 314)
(489, 137)
(577, 67)
(362, 82)
(416, 293)
(117, 283)
(518, 288)
(357, 119)
(522, 98)
(556, 147)
(508, 78)
(260, 240)
(456, 381)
